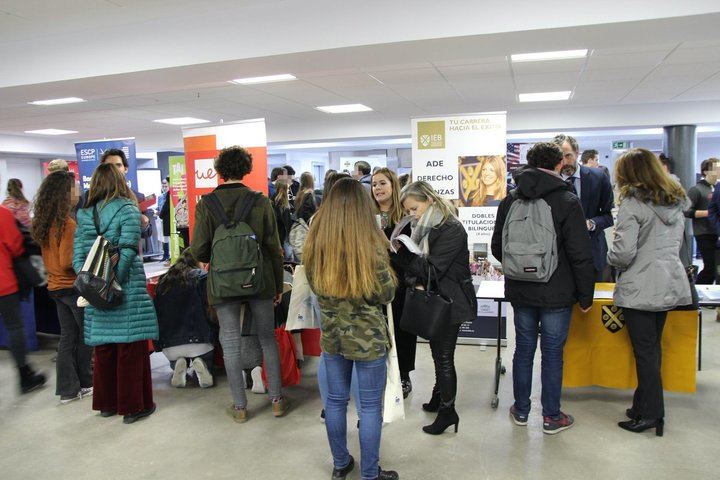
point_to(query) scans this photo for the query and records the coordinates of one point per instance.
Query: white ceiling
(641, 73)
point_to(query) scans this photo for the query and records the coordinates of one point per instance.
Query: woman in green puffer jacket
(122, 382)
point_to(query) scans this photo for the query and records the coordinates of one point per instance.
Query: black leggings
(443, 353)
(12, 318)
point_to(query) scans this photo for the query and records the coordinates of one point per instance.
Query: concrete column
(680, 144)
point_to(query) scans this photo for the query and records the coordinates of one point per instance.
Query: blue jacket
(135, 318)
(597, 202)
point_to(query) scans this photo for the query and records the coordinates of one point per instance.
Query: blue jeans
(323, 386)
(371, 385)
(552, 324)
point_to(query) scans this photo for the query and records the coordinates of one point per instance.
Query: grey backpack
(529, 242)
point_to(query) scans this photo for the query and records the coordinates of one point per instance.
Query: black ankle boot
(446, 417)
(30, 380)
(641, 424)
(406, 385)
(434, 404)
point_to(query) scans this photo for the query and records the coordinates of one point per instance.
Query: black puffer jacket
(574, 279)
(450, 256)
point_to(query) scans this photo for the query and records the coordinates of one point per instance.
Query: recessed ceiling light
(57, 101)
(181, 121)
(51, 131)
(544, 96)
(540, 56)
(350, 108)
(284, 77)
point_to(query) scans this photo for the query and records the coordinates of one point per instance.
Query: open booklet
(396, 238)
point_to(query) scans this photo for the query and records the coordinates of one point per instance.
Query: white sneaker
(179, 374)
(205, 378)
(86, 392)
(64, 400)
(258, 385)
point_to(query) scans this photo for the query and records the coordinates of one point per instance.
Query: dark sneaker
(134, 417)
(519, 418)
(406, 387)
(553, 425)
(341, 473)
(387, 475)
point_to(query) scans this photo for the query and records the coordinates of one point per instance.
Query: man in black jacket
(546, 308)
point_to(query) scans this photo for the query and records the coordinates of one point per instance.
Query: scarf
(432, 217)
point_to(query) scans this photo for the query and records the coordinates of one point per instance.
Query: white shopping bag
(303, 311)
(393, 405)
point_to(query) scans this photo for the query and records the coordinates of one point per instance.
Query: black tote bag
(427, 311)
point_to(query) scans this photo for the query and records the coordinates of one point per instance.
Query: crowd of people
(549, 236)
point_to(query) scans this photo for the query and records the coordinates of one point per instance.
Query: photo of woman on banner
(482, 180)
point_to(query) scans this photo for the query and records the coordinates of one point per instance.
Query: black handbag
(96, 280)
(691, 272)
(425, 312)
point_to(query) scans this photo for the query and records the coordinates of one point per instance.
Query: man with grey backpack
(542, 240)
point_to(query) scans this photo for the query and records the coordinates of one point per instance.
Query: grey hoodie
(645, 250)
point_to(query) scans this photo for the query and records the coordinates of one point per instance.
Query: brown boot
(280, 407)
(239, 415)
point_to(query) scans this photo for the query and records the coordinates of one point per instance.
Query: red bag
(289, 371)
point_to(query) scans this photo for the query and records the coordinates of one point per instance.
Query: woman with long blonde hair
(444, 244)
(652, 280)
(385, 188)
(493, 185)
(348, 268)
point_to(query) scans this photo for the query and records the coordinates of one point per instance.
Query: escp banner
(89, 153)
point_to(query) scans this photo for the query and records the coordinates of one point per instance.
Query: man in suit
(593, 188)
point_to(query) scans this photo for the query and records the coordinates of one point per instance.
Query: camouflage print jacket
(356, 329)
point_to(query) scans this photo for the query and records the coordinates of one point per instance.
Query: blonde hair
(281, 198)
(396, 211)
(639, 174)
(497, 163)
(345, 249)
(423, 192)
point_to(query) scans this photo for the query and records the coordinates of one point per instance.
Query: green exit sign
(620, 145)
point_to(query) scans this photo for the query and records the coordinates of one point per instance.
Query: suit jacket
(597, 203)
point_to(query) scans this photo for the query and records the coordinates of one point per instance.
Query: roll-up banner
(202, 146)
(464, 158)
(178, 204)
(89, 154)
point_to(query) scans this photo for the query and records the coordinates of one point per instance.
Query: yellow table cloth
(598, 349)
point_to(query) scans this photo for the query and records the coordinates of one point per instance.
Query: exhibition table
(598, 349)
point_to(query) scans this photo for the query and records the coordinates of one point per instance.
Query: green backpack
(236, 262)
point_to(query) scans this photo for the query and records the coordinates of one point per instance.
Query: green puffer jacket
(135, 318)
(263, 223)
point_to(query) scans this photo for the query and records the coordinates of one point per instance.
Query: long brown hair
(179, 275)
(307, 187)
(639, 174)
(345, 249)
(107, 184)
(396, 211)
(14, 190)
(331, 180)
(52, 206)
(281, 198)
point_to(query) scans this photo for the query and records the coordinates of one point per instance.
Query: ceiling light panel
(51, 131)
(181, 121)
(349, 108)
(544, 96)
(542, 56)
(284, 77)
(57, 101)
